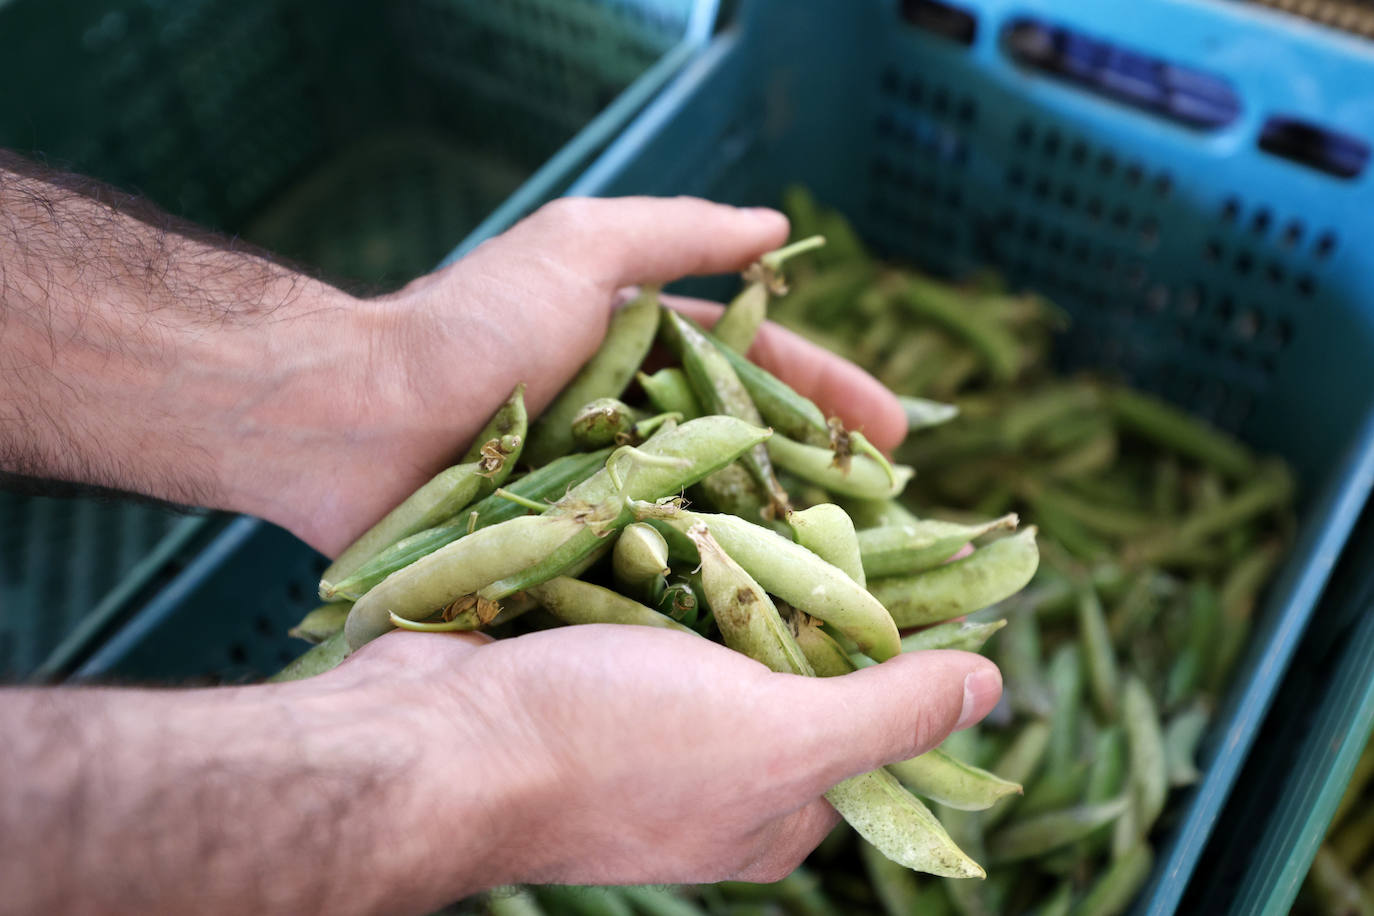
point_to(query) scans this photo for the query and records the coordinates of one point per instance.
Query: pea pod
(964, 635)
(658, 901)
(1270, 487)
(1100, 660)
(322, 623)
(317, 660)
(860, 476)
(1116, 888)
(672, 459)
(797, 576)
(547, 483)
(603, 422)
(896, 887)
(1019, 764)
(628, 339)
(993, 343)
(669, 392)
(985, 577)
(720, 391)
(1238, 594)
(916, 545)
(1149, 768)
(1018, 655)
(938, 776)
(922, 413)
(639, 559)
(1204, 623)
(1043, 833)
(512, 901)
(875, 513)
(1178, 432)
(567, 900)
(743, 317)
(1181, 737)
(575, 602)
(826, 530)
(460, 569)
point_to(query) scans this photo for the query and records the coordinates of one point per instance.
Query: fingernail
(982, 687)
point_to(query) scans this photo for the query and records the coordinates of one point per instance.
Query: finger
(839, 387)
(884, 713)
(790, 842)
(627, 240)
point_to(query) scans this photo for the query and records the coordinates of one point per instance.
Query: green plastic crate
(362, 140)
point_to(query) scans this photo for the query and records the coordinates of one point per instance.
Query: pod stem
(774, 259)
(641, 457)
(518, 500)
(859, 445)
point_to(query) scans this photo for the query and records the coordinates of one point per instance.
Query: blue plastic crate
(364, 140)
(1190, 180)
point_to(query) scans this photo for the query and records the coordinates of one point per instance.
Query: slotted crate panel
(1118, 164)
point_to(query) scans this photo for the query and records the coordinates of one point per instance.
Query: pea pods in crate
(1199, 254)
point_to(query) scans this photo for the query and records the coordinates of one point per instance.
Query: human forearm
(289, 799)
(139, 356)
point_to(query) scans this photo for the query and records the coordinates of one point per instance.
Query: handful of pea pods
(709, 498)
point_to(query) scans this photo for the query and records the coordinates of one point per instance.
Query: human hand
(531, 305)
(615, 754)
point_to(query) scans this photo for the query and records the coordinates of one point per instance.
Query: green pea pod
(1066, 685)
(733, 491)
(859, 476)
(797, 576)
(1178, 432)
(1019, 763)
(576, 602)
(1182, 735)
(1092, 515)
(603, 422)
(1104, 679)
(896, 887)
(675, 457)
(501, 443)
(567, 900)
(964, 635)
(1204, 624)
(1149, 767)
(875, 513)
(913, 546)
(1043, 833)
(938, 776)
(317, 660)
(985, 577)
(718, 388)
(512, 901)
(743, 317)
(639, 559)
(1238, 594)
(322, 623)
(669, 392)
(1044, 409)
(827, 531)
(922, 413)
(546, 483)
(658, 901)
(1115, 889)
(938, 304)
(460, 569)
(1269, 488)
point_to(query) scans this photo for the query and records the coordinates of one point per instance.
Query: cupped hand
(436, 359)
(621, 754)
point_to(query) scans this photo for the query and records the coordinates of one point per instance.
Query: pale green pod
(1116, 888)
(1104, 680)
(317, 660)
(827, 531)
(915, 546)
(748, 620)
(570, 900)
(602, 422)
(797, 576)
(462, 568)
(923, 414)
(576, 602)
(964, 635)
(1019, 764)
(938, 776)
(1044, 833)
(659, 901)
(1181, 737)
(826, 656)
(1149, 765)
(501, 443)
(985, 577)
(874, 513)
(900, 826)
(743, 317)
(322, 623)
(639, 559)
(512, 901)
(859, 476)
(669, 391)
(628, 339)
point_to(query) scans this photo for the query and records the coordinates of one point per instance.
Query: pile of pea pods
(1341, 880)
(707, 497)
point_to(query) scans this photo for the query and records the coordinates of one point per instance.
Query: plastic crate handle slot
(1314, 146)
(944, 19)
(1181, 94)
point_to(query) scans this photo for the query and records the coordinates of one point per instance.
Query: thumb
(625, 241)
(885, 713)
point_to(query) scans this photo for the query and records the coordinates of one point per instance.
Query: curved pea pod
(797, 576)
(576, 602)
(673, 458)
(639, 559)
(918, 545)
(628, 339)
(1044, 833)
(985, 577)
(1269, 488)
(460, 569)
(317, 660)
(669, 392)
(322, 623)
(963, 635)
(939, 304)
(859, 476)
(900, 826)
(1179, 432)
(1149, 766)
(1100, 659)
(1017, 653)
(827, 531)
(1182, 735)
(875, 513)
(1115, 889)
(1019, 763)
(742, 318)
(938, 776)
(546, 483)
(601, 422)
(500, 444)
(922, 413)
